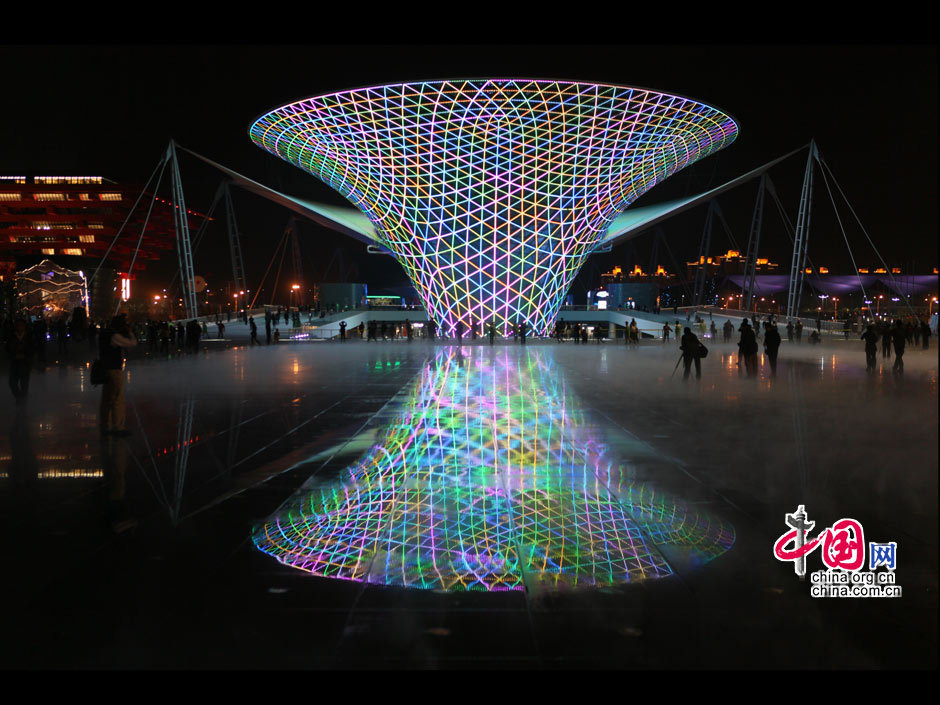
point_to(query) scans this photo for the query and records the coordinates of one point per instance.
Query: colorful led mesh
(488, 478)
(491, 193)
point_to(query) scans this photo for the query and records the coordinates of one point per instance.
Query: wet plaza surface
(376, 505)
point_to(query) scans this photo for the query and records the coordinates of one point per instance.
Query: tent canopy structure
(633, 221)
(353, 222)
(349, 221)
(626, 225)
(836, 284)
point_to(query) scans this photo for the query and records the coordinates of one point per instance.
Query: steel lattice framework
(492, 192)
(489, 478)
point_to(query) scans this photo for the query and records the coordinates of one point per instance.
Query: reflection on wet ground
(598, 468)
(488, 478)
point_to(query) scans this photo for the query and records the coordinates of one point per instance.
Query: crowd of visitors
(29, 342)
(897, 334)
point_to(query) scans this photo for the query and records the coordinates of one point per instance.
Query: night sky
(871, 109)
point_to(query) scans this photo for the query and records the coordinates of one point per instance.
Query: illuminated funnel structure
(491, 193)
(488, 478)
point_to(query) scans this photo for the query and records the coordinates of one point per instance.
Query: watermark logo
(842, 549)
(883, 554)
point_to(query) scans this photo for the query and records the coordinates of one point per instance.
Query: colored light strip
(489, 478)
(491, 193)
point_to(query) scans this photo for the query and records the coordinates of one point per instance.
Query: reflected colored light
(489, 478)
(491, 193)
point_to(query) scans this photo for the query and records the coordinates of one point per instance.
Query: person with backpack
(772, 345)
(112, 342)
(691, 352)
(747, 348)
(871, 348)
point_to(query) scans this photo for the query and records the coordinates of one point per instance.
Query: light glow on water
(490, 478)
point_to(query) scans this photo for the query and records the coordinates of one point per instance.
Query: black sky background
(873, 111)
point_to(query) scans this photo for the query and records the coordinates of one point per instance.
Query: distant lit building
(732, 262)
(618, 276)
(634, 289)
(72, 221)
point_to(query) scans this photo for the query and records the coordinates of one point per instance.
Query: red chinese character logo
(844, 545)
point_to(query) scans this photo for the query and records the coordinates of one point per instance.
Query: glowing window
(14, 179)
(72, 251)
(84, 197)
(86, 238)
(67, 180)
(49, 196)
(10, 197)
(46, 225)
(48, 251)
(109, 196)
